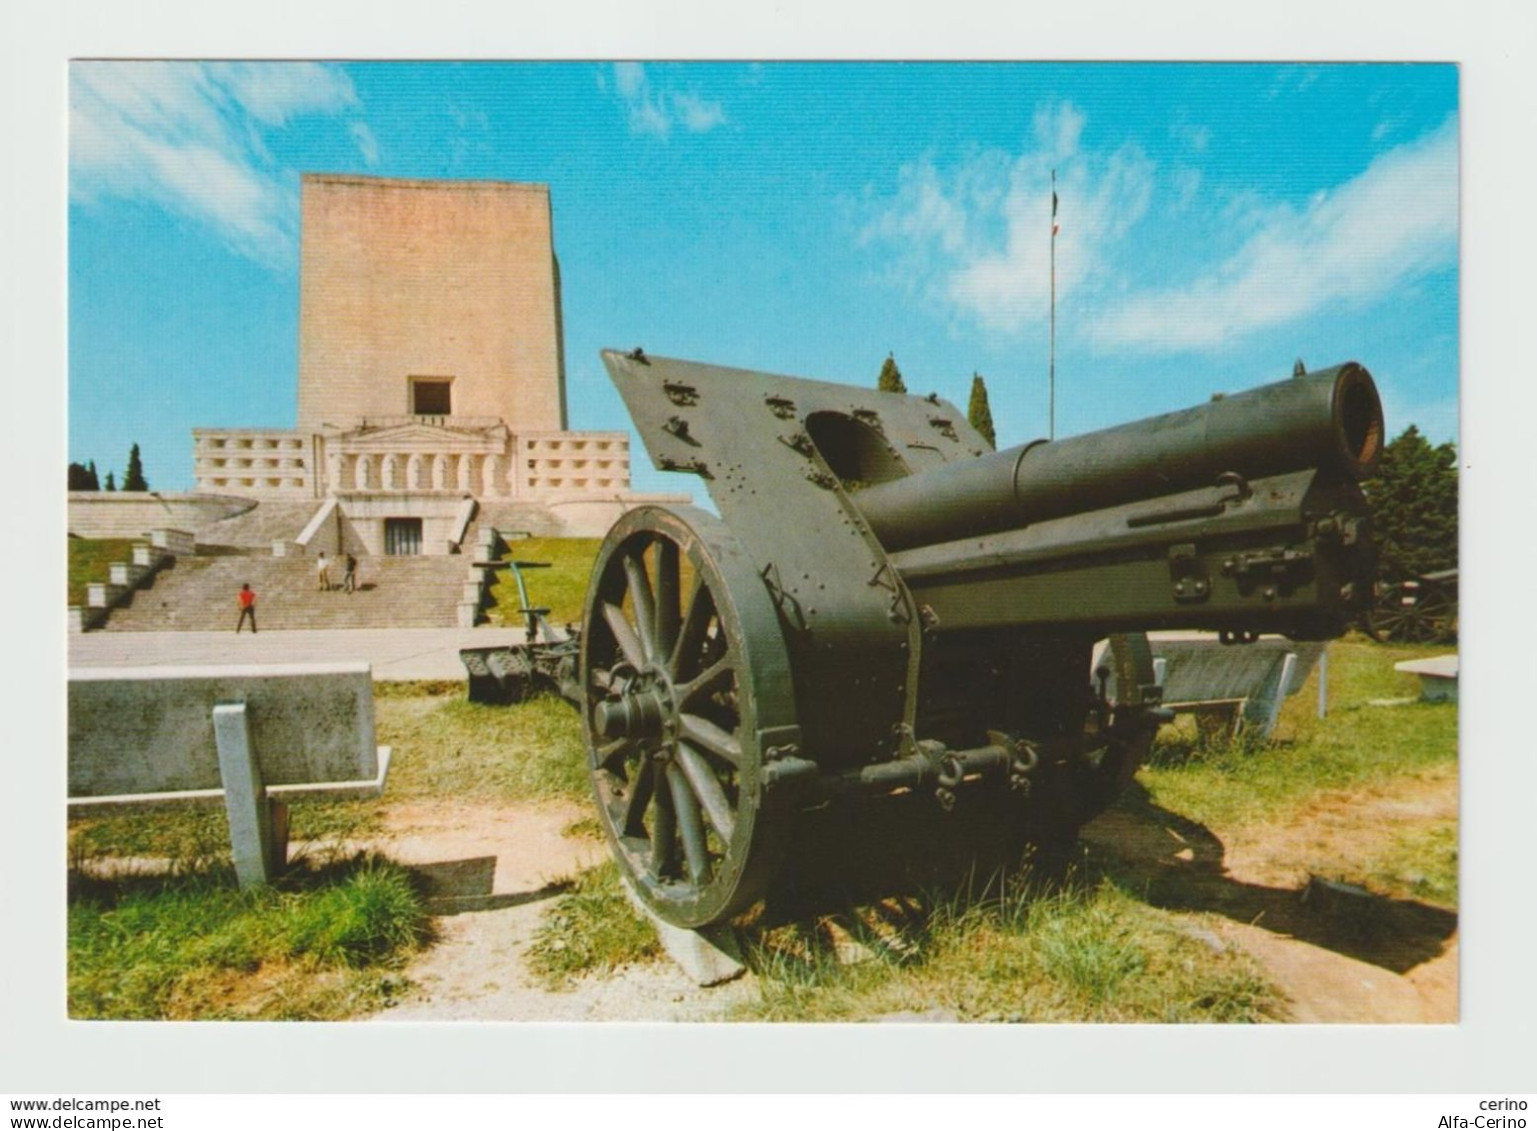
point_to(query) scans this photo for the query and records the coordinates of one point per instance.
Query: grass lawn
(562, 588)
(1356, 745)
(89, 559)
(326, 943)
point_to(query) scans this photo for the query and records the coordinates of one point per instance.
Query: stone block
(1244, 682)
(469, 614)
(709, 955)
(258, 830)
(150, 730)
(148, 557)
(179, 543)
(1438, 677)
(103, 594)
(83, 619)
(127, 574)
(282, 548)
(472, 592)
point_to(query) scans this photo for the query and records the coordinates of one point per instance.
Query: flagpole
(1052, 361)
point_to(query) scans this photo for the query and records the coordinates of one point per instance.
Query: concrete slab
(1438, 677)
(709, 956)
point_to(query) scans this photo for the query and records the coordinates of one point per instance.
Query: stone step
(258, 528)
(199, 594)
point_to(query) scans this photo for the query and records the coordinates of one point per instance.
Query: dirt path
(494, 871)
(1339, 955)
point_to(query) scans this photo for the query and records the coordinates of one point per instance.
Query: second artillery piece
(886, 607)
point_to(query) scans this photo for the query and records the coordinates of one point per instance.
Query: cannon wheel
(1416, 611)
(683, 668)
(1085, 786)
(1108, 771)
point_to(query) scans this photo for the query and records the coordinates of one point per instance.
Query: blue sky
(1217, 222)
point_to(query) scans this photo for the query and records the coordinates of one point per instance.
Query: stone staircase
(257, 528)
(197, 594)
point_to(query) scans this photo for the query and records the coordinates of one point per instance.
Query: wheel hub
(644, 708)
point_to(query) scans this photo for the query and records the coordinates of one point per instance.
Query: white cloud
(1396, 221)
(191, 138)
(1196, 138)
(653, 111)
(368, 145)
(979, 237)
(696, 114)
(975, 239)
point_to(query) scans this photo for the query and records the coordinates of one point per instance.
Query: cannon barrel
(1328, 419)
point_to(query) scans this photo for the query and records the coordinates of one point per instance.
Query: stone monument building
(431, 373)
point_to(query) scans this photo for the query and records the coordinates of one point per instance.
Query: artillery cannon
(886, 607)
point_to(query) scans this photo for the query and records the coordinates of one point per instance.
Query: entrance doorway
(402, 537)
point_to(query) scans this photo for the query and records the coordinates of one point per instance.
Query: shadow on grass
(1178, 864)
(875, 877)
(453, 887)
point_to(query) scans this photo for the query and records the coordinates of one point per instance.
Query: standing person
(350, 576)
(247, 599)
(323, 572)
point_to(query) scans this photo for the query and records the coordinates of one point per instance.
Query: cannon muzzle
(1331, 419)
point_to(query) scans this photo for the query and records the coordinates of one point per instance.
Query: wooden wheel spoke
(643, 601)
(718, 674)
(641, 790)
(624, 635)
(664, 827)
(691, 636)
(707, 736)
(690, 826)
(669, 613)
(604, 756)
(712, 799)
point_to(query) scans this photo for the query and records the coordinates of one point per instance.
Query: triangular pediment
(438, 437)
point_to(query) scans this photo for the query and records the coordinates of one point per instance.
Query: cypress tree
(111, 486)
(134, 479)
(979, 413)
(890, 380)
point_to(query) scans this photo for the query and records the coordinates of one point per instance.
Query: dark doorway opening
(402, 537)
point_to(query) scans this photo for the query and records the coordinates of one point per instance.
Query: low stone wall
(592, 516)
(133, 514)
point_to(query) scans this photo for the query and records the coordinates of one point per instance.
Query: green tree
(1414, 507)
(83, 478)
(111, 486)
(890, 380)
(133, 479)
(979, 412)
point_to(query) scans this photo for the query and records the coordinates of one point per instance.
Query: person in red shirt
(247, 597)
